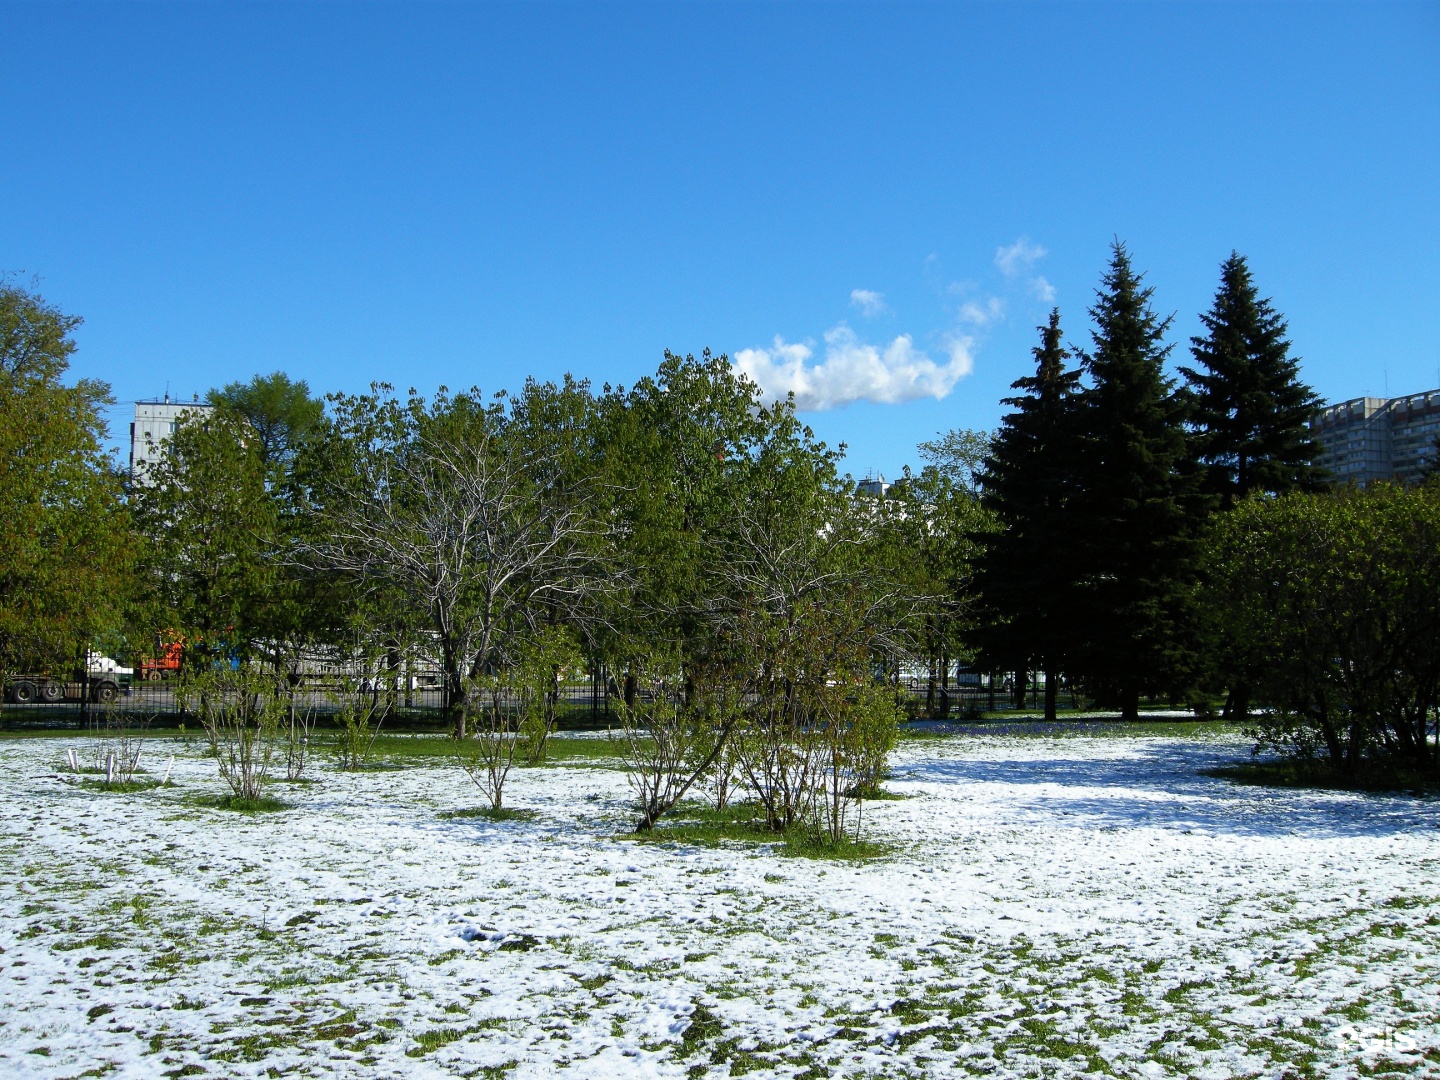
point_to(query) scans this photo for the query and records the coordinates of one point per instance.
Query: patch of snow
(1053, 905)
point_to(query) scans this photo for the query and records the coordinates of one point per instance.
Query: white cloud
(1042, 290)
(1018, 257)
(854, 371)
(982, 314)
(869, 302)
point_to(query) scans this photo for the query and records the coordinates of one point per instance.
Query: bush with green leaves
(545, 659)
(241, 711)
(676, 729)
(1328, 606)
(363, 704)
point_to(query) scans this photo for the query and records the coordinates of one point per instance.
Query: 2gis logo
(1375, 1040)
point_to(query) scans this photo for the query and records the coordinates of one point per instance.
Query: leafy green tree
(212, 536)
(281, 412)
(1249, 411)
(685, 455)
(924, 544)
(65, 547)
(556, 429)
(1136, 507)
(807, 613)
(1330, 609)
(1025, 577)
(749, 589)
(959, 455)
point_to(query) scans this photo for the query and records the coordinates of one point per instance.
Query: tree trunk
(1130, 704)
(944, 684)
(1237, 703)
(455, 702)
(1052, 692)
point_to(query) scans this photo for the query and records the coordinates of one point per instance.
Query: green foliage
(457, 516)
(65, 547)
(920, 554)
(1329, 608)
(1248, 408)
(281, 414)
(871, 729)
(855, 728)
(364, 701)
(1136, 510)
(241, 711)
(510, 709)
(688, 457)
(1026, 576)
(959, 455)
(212, 534)
(543, 660)
(751, 581)
(807, 613)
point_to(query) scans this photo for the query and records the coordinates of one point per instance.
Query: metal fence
(156, 703)
(591, 703)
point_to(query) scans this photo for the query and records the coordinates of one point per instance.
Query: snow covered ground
(1058, 906)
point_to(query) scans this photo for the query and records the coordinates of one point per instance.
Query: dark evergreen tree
(1023, 576)
(1136, 508)
(1250, 412)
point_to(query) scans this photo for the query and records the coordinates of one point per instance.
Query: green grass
(1079, 723)
(265, 804)
(489, 813)
(417, 749)
(121, 787)
(1373, 777)
(808, 845)
(743, 823)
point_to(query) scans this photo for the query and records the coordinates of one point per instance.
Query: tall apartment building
(154, 423)
(1370, 439)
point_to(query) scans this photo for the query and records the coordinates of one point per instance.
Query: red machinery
(169, 647)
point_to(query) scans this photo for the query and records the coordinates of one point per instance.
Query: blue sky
(469, 194)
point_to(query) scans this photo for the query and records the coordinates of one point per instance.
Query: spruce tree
(1136, 507)
(1023, 573)
(1250, 412)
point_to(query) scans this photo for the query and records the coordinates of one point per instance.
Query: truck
(169, 647)
(103, 681)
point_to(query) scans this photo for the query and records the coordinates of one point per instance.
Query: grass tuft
(265, 804)
(489, 813)
(118, 787)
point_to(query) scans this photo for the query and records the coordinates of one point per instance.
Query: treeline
(704, 547)
(1175, 538)
(1105, 477)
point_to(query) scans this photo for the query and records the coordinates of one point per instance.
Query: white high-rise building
(1370, 439)
(154, 423)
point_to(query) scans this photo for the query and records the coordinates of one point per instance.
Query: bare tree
(454, 513)
(487, 754)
